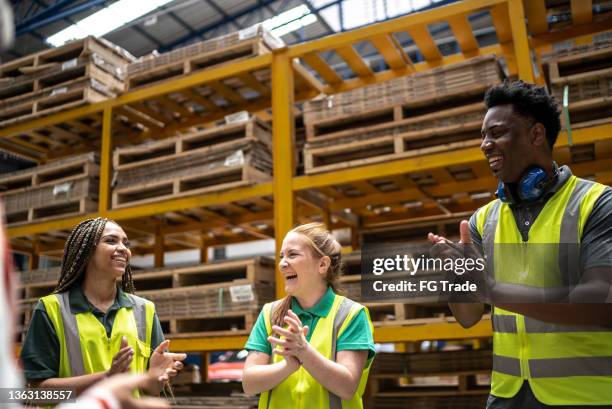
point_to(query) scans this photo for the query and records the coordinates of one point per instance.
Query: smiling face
(112, 254)
(304, 270)
(508, 142)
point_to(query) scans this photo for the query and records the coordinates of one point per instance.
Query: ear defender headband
(532, 186)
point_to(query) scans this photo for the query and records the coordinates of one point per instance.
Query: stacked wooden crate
(586, 71)
(443, 379)
(209, 299)
(202, 55)
(433, 111)
(213, 299)
(81, 72)
(65, 187)
(223, 157)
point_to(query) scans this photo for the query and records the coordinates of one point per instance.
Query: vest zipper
(521, 320)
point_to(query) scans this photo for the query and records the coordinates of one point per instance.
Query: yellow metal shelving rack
(288, 191)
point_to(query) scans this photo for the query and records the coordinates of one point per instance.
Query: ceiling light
(106, 20)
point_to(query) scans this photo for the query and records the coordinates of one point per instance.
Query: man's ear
(538, 134)
(324, 263)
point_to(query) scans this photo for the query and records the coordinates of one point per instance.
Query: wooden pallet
(230, 323)
(47, 102)
(454, 402)
(49, 79)
(388, 148)
(587, 72)
(203, 55)
(59, 189)
(69, 208)
(210, 300)
(53, 57)
(209, 181)
(149, 153)
(231, 401)
(576, 60)
(224, 166)
(463, 106)
(434, 83)
(52, 173)
(432, 363)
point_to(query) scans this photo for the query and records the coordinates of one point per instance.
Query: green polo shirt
(40, 354)
(356, 336)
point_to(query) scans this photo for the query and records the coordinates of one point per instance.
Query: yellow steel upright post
(520, 40)
(282, 152)
(105, 161)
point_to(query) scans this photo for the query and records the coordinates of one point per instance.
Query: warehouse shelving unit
(269, 210)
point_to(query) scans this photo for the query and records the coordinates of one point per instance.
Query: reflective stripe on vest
(71, 335)
(564, 364)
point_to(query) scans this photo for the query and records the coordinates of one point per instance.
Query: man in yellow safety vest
(546, 240)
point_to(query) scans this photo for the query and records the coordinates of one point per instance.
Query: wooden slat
(395, 57)
(354, 61)
(227, 93)
(84, 128)
(56, 130)
(536, 16)
(320, 66)
(43, 138)
(138, 117)
(421, 37)
(582, 11)
(501, 21)
(249, 80)
(172, 105)
(463, 33)
(205, 102)
(365, 187)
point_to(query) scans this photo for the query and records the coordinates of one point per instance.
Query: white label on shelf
(69, 64)
(242, 293)
(235, 159)
(62, 188)
(58, 91)
(237, 117)
(247, 33)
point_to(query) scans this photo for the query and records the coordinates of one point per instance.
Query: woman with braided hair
(313, 348)
(90, 327)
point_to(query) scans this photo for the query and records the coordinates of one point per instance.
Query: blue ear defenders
(532, 186)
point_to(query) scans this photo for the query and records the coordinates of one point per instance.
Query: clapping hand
(293, 344)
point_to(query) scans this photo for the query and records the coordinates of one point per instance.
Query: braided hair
(322, 243)
(80, 246)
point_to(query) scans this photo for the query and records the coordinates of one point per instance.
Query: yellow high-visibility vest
(300, 390)
(564, 365)
(84, 345)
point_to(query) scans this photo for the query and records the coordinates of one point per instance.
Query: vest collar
(320, 309)
(79, 302)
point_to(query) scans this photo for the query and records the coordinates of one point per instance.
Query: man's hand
(444, 248)
(165, 365)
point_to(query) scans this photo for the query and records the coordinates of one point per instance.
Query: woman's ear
(324, 263)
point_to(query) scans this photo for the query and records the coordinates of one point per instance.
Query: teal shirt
(357, 335)
(40, 354)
